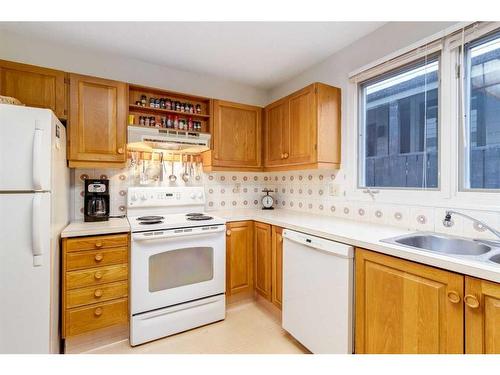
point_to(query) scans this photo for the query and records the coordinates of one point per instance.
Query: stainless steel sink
(495, 259)
(441, 244)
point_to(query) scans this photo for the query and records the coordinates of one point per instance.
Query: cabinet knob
(98, 257)
(120, 150)
(453, 296)
(280, 240)
(98, 293)
(228, 232)
(98, 244)
(282, 155)
(285, 155)
(471, 301)
(98, 311)
(98, 275)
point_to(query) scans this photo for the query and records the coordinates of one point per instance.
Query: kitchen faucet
(448, 223)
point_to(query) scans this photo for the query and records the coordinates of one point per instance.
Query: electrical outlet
(333, 189)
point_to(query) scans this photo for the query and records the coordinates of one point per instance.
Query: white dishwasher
(318, 292)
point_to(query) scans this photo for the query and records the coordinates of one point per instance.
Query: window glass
(482, 162)
(399, 127)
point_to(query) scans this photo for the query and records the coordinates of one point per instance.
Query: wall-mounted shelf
(136, 92)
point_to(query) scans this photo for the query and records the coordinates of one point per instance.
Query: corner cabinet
(277, 266)
(97, 126)
(236, 138)
(303, 130)
(35, 86)
(263, 262)
(239, 257)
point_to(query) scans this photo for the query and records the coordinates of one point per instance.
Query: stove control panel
(165, 196)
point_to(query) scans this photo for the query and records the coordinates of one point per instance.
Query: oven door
(169, 267)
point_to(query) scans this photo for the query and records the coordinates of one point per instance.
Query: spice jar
(144, 100)
(198, 108)
(141, 120)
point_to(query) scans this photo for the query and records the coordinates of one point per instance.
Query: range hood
(143, 138)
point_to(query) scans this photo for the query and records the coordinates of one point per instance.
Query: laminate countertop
(364, 235)
(81, 228)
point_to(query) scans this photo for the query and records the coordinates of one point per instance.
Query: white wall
(19, 48)
(383, 41)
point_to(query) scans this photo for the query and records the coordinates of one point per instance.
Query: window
(399, 116)
(482, 120)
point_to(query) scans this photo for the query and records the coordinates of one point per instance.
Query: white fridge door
(25, 273)
(25, 148)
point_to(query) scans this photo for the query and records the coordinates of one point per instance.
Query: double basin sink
(481, 250)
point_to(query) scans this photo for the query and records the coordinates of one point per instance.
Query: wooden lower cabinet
(262, 262)
(277, 266)
(405, 307)
(254, 259)
(94, 283)
(239, 257)
(482, 316)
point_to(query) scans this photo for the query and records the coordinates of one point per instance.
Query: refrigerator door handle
(37, 147)
(36, 236)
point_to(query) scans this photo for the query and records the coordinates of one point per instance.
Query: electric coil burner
(178, 261)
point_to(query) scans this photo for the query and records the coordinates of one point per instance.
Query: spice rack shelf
(139, 108)
(136, 110)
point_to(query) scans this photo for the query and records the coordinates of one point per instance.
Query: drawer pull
(98, 293)
(98, 257)
(453, 296)
(98, 311)
(471, 301)
(98, 275)
(98, 244)
(285, 155)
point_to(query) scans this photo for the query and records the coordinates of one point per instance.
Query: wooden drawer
(95, 294)
(96, 276)
(96, 242)
(85, 319)
(96, 258)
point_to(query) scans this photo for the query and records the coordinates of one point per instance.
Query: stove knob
(143, 197)
(200, 195)
(193, 196)
(133, 198)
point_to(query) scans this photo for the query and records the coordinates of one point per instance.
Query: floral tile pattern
(304, 191)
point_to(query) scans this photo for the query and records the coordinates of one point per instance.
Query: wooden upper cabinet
(262, 262)
(239, 257)
(34, 86)
(303, 130)
(407, 308)
(482, 316)
(98, 127)
(237, 136)
(277, 266)
(276, 138)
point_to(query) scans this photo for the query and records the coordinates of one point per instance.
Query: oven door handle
(166, 235)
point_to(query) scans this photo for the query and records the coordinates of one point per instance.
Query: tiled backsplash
(305, 191)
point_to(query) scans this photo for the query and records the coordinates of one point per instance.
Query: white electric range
(178, 260)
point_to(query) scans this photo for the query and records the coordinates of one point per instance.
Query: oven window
(172, 269)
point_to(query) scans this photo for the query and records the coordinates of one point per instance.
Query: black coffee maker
(96, 205)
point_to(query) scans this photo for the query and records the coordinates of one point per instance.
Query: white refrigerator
(34, 208)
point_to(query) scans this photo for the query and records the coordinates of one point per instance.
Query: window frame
(361, 122)
(450, 194)
(463, 61)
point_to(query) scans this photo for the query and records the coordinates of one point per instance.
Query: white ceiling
(260, 54)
